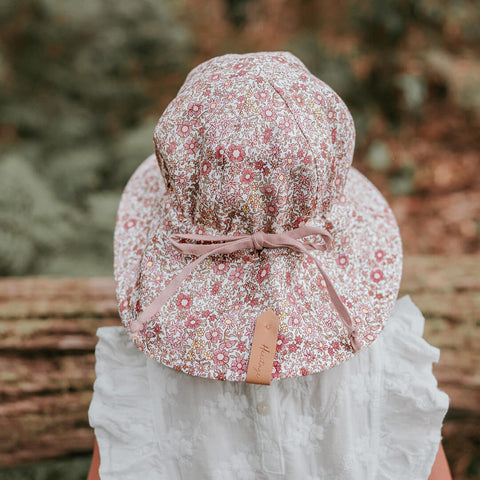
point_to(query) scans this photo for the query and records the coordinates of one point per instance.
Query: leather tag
(264, 346)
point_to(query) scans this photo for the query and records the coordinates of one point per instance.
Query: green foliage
(32, 221)
(74, 173)
(76, 83)
(62, 469)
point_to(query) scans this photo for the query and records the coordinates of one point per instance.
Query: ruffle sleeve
(413, 406)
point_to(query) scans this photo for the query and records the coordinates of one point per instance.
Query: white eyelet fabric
(377, 416)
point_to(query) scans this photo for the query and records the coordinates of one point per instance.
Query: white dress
(377, 416)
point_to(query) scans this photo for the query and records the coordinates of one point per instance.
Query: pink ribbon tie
(257, 240)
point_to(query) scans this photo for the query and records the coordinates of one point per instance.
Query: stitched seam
(302, 132)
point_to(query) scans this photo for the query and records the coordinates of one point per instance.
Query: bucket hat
(246, 247)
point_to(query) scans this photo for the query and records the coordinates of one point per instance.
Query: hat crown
(254, 142)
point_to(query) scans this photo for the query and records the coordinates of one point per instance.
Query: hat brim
(206, 327)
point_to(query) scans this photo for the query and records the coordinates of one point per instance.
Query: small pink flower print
(299, 100)
(379, 255)
(292, 347)
(271, 208)
(239, 365)
(191, 146)
(298, 340)
(262, 95)
(299, 290)
(259, 79)
(263, 273)
(130, 223)
(288, 279)
(304, 371)
(376, 275)
(269, 113)
(182, 180)
(239, 66)
(276, 369)
(171, 147)
(295, 320)
(342, 260)
(206, 167)
(184, 301)
(318, 98)
(215, 77)
(220, 152)
(150, 334)
(237, 274)
(194, 109)
(220, 357)
(281, 342)
(220, 267)
(149, 262)
(246, 175)
(268, 190)
(192, 322)
(184, 129)
(236, 153)
(320, 281)
(291, 299)
(286, 124)
(124, 304)
(259, 165)
(241, 347)
(214, 335)
(215, 288)
(331, 115)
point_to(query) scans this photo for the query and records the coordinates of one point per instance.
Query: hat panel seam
(314, 207)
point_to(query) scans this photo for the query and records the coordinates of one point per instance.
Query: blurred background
(82, 85)
(81, 88)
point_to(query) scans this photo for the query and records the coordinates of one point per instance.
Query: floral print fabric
(254, 142)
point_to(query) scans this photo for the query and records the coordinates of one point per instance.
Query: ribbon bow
(258, 240)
